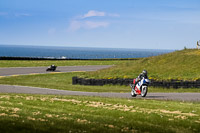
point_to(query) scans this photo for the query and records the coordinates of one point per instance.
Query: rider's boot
(134, 85)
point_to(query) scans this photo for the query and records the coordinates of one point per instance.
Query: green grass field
(48, 113)
(182, 65)
(32, 63)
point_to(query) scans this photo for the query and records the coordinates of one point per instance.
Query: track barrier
(154, 83)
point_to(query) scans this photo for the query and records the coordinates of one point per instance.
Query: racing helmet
(144, 72)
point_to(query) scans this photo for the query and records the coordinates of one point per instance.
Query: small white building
(63, 57)
(198, 44)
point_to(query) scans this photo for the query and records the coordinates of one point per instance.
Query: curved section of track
(37, 70)
(160, 96)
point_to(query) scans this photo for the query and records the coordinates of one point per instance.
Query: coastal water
(75, 52)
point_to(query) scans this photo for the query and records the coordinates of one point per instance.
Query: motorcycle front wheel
(144, 91)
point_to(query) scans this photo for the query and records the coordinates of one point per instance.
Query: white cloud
(93, 25)
(93, 13)
(22, 14)
(74, 25)
(15, 14)
(79, 22)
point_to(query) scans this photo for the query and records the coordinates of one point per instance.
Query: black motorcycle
(51, 68)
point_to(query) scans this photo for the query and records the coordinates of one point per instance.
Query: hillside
(184, 64)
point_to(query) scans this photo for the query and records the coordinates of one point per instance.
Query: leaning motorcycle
(51, 68)
(141, 88)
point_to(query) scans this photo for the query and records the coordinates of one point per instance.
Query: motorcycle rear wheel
(133, 94)
(132, 91)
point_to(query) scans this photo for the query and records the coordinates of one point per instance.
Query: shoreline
(49, 58)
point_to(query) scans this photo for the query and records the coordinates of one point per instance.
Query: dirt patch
(40, 119)
(3, 114)
(37, 113)
(48, 115)
(5, 96)
(14, 115)
(177, 113)
(31, 118)
(109, 106)
(83, 121)
(15, 110)
(197, 121)
(30, 98)
(67, 100)
(110, 126)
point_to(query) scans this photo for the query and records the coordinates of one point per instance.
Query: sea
(58, 52)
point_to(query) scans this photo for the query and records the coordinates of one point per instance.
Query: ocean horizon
(61, 52)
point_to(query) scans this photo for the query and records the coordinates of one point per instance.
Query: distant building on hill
(198, 44)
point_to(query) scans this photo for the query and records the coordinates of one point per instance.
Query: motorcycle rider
(53, 66)
(143, 74)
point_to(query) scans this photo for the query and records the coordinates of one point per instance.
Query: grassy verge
(43, 113)
(30, 63)
(182, 65)
(63, 81)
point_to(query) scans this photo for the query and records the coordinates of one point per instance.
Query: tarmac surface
(29, 70)
(195, 97)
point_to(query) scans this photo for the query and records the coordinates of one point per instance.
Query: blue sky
(144, 24)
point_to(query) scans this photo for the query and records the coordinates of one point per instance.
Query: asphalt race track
(35, 90)
(46, 91)
(28, 70)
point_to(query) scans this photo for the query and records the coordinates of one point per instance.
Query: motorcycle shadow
(57, 71)
(54, 71)
(154, 97)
